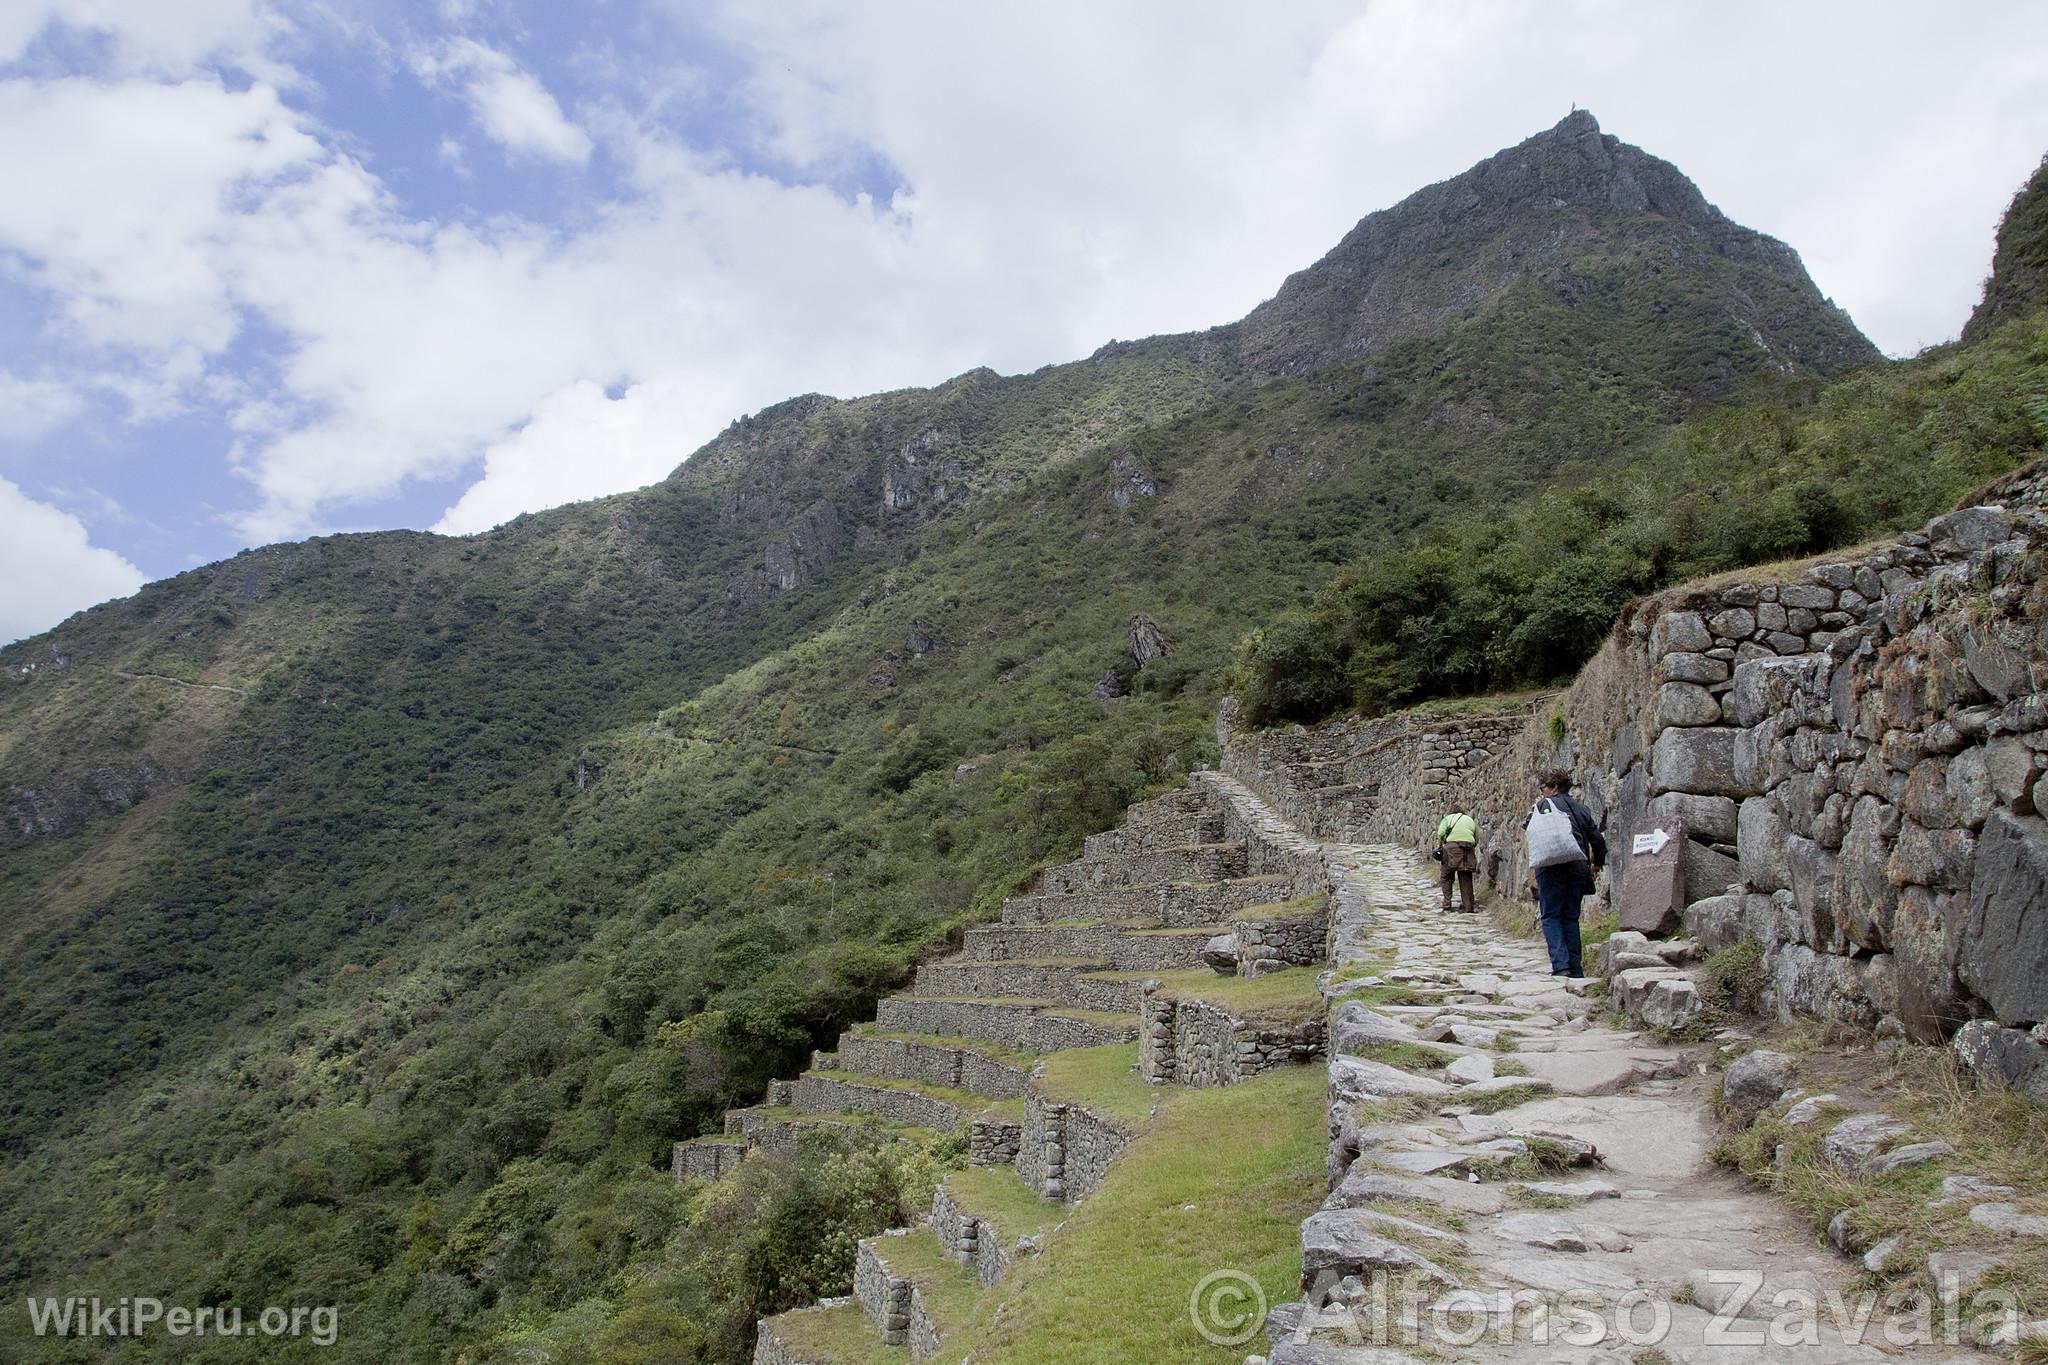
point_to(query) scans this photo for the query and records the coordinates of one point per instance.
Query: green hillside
(381, 907)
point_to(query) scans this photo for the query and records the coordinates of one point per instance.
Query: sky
(280, 268)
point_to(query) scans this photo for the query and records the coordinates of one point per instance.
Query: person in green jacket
(1457, 837)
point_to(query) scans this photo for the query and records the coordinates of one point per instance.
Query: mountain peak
(1569, 210)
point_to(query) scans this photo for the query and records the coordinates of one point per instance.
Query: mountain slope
(2018, 283)
(377, 893)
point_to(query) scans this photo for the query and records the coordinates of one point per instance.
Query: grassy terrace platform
(841, 1335)
(1310, 906)
(996, 1194)
(1104, 1080)
(966, 1100)
(1278, 998)
(1112, 1286)
(995, 1052)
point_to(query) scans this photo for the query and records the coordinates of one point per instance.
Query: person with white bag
(1565, 847)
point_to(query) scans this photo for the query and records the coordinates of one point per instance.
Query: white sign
(1653, 842)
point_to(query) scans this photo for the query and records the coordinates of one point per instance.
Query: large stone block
(1653, 895)
(1691, 668)
(1714, 922)
(1764, 687)
(1696, 759)
(2003, 1057)
(1812, 873)
(1708, 872)
(1924, 943)
(1680, 632)
(2003, 950)
(1760, 844)
(1686, 703)
(1710, 819)
(1940, 858)
(1865, 895)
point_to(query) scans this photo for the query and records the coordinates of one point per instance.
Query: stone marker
(1653, 892)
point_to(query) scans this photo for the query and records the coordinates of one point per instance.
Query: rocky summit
(938, 874)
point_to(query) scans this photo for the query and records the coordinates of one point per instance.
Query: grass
(1113, 1284)
(1507, 1097)
(1524, 1197)
(840, 1336)
(1311, 906)
(1102, 1080)
(996, 1194)
(1406, 1056)
(1286, 997)
(1996, 1135)
(951, 1293)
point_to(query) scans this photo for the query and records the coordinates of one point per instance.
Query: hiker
(1457, 848)
(1564, 848)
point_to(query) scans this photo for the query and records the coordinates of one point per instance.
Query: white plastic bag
(1551, 840)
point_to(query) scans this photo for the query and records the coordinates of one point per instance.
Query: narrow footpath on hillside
(1539, 1178)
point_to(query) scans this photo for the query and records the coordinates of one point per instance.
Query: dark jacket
(1587, 831)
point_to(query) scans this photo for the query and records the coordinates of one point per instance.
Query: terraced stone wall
(1065, 1150)
(1265, 945)
(1858, 750)
(705, 1160)
(1192, 1043)
(991, 1142)
(959, 1068)
(829, 1095)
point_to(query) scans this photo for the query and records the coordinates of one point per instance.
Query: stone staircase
(1201, 883)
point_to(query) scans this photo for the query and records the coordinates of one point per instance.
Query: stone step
(1122, 947)
(1150, 867)
(1027, 1025)
(907, 1102)
(778, 1128)
(829, 1332)
(1169, 905)
(706, 1158)
(1069, 982)
(979, 1218)
(952, 1062)
(911, 1291)
(1178, 830)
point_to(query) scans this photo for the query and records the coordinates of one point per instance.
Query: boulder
(1147, 641)
(1671, 1005)
(1696, 759)
(1220, 952)
(1680, 631)
(1903, 1158)
(1715, 921)
(1767, 686)
(1858, 1138)
(1755, 1081)
(1971, 528)
(2003, 1057)
(1358, 1078)
(2002, 949)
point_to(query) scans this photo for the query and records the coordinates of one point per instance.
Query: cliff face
(1572, 212)
(2019, 267)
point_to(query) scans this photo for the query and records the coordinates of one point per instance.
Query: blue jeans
(1559, 890)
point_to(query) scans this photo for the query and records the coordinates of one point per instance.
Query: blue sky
(273, 268)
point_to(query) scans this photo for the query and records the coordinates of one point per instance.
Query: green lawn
(1114, 1282)
(1103, 1080)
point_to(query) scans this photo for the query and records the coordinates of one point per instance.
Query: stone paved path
(1652, 1222)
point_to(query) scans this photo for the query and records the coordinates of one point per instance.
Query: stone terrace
(1196, 886)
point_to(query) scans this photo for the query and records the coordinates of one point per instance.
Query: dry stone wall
(705, 1160)
(1193, 1043)
(1857, 750)
(904, 1059)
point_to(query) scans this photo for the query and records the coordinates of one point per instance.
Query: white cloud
(49, 568)
(1069, 173)
(33, 407)
(580, 444)
(172, 37)
(508, 103)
